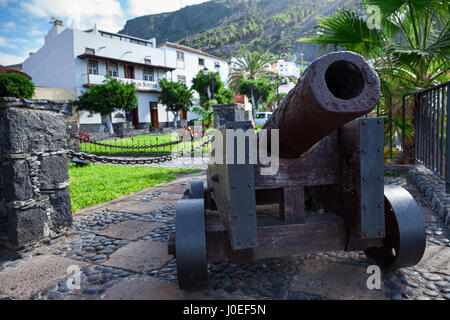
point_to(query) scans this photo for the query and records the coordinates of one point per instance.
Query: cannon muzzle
(335, 89)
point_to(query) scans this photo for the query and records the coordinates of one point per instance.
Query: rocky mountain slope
(223, 27)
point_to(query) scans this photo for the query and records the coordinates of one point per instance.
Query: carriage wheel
(197, 190)
(405, 240)
(190, 242)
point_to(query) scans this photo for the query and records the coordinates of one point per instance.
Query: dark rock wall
(224, 113)
(34, 180)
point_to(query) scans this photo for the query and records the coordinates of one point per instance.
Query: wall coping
(36, 104)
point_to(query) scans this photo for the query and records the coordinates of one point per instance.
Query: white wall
(53, 65)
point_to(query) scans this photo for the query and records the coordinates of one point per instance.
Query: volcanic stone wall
(224, 113)
(34, 180)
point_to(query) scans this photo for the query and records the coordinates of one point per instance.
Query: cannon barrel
(335, 89)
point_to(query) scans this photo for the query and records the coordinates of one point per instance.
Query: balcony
(141, 85)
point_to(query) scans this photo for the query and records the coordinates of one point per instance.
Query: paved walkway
(121, 249)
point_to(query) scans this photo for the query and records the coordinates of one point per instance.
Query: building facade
(75, 60)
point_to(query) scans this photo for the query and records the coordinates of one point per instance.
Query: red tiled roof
(184, 48)
(4, 69)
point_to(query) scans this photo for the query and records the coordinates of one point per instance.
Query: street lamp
(205, 71)
(276, 78)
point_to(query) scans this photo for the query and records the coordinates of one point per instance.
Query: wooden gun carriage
(328, 193)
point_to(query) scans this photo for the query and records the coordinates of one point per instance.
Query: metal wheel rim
(190, 239)
(405, 240)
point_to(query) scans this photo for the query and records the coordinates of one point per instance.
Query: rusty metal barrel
(335, 89)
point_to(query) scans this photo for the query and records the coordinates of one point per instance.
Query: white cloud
(9, 59)
(6, 43)
(143, 7)
(107, 14)
(8, 26)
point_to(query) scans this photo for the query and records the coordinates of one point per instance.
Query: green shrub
(16, 85)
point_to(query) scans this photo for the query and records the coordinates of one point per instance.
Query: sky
(24, 23)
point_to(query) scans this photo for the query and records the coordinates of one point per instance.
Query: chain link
(105, 160)
(152, 146)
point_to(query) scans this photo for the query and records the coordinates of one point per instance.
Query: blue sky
(24, 23)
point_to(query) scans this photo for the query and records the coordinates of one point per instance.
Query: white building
(286, 69)
(75, 59)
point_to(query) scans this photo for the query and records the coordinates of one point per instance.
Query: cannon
(328, 193)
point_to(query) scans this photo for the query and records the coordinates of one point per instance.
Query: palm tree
(412, 46)
(410, 50)
(250, 65)
(206, 113)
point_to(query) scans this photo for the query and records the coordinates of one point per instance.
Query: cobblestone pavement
(121, 250)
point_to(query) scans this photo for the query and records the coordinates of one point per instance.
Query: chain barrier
(154, 146)
(105, 160)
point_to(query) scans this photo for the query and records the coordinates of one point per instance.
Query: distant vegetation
(223, 27)
(16, 85)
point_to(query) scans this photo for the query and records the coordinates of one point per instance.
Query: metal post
(447, 158)
(416, 129)
(390, 127)
(278, 93)
(403, 128)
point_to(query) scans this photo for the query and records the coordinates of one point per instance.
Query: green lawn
(96, 183)
(138, 141)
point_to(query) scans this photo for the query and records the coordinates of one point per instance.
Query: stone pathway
(120, 249)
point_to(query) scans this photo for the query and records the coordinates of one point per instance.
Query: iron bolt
(365, 150)
(364, 122)
(380, 205)
(380, 149)
(365, 179)
(215, 178)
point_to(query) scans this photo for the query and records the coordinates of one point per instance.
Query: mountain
(223, 27)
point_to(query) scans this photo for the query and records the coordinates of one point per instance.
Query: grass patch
(96, 183)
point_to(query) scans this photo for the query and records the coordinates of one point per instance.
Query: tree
(260, 90)
(16, 85)
(108, 97)
(250, 65)
(206, 113)
(177, 97)
(410, 48)
(202, 84)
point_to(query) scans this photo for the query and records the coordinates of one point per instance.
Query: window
(148, 61)
(261, 116)
(148, 74)
(180, 56)
(201, 62)
(90, 51)
(113, 69)
(182, 79)
(93, 67)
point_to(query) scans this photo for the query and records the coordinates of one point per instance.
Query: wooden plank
(318, 167)
(293, 204)
(279, 238)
